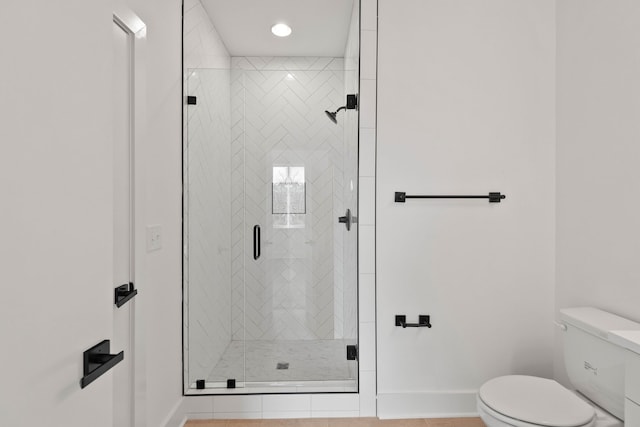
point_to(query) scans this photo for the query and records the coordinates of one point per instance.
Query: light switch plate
(154, 237)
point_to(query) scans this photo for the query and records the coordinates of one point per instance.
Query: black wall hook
(124, 293)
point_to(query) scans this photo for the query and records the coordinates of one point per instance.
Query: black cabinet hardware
(200, 384)
(192, 100)
(401, 197)
(424, 321)
(256, 242)
(231, 383)
(97, 361)
(347, 219)
(124, 293)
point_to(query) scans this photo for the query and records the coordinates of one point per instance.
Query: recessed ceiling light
(281, 30)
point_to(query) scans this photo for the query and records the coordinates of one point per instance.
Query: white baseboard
(176, 417)
(427, 404)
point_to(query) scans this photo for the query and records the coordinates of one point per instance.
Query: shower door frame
(357, 274)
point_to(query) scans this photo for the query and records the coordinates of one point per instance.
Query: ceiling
(320, 27)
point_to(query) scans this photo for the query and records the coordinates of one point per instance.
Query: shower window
(288, 197)
(289, 190)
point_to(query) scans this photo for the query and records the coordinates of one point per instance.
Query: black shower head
(332, 116)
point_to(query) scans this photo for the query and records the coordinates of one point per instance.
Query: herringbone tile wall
(277, 115)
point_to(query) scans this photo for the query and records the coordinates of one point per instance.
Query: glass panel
(214, 351)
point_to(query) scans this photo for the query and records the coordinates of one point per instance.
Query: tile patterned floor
(309, 360)
(341, 422)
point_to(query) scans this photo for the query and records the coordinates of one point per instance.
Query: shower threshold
(277, 387)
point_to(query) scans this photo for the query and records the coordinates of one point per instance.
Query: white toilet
(595, 367)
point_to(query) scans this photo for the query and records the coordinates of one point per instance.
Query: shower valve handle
(347, 219)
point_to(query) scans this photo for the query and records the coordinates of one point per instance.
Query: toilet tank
(594, 364)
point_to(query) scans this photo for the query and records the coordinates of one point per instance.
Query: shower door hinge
(352, 352)
(192, 100)
(352, 102)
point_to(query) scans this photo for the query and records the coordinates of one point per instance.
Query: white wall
(57, 207)
(56, 216)
(465, 105)
(598, 181)
(162, 296)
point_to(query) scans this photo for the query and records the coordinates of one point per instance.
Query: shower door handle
(256, 241)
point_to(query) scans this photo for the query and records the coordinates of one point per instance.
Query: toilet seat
(522, 400)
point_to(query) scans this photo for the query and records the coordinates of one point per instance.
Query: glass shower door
(270, 274)
(299, 175)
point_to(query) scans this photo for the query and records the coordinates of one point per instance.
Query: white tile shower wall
(203, 47)
(278, 120)
(366, 221)
(207, 169)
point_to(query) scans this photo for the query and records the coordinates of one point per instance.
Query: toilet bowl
(526, 401)
(595, 367)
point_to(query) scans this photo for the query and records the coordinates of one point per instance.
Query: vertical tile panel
(368, 58)
(367, 296)
(368, 394)
(367, 350)
(369, 15)
(367, 205)
(366, 255)
(367, 152)
(367, 103)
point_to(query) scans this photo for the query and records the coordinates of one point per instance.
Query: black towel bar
(401, 197)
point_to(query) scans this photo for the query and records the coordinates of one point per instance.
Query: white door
(123, 247)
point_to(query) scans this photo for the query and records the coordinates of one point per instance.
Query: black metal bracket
(200, 384)
(352, 102)
(124, 293)
(424, 321)
(401, 197)
(97, 361)
(192, 100)
(231, 383)
(352, 352)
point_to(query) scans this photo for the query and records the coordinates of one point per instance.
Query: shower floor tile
(306, 360)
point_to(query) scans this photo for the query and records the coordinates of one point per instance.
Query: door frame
(137, 30)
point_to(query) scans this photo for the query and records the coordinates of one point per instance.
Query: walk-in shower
(269, 269)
